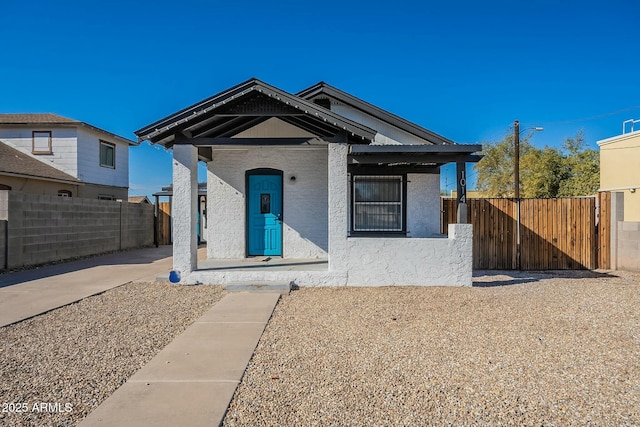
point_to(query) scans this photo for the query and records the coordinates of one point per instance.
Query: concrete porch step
(282, 287)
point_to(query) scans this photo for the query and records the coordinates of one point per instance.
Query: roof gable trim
(305, 107)
(323, 88)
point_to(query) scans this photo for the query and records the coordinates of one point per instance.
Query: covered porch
(333, 207)
(352, 258)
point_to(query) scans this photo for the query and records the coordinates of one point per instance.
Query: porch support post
(461, 190)
(185, 208)
(338, 210)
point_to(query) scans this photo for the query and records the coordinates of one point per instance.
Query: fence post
(518, 253)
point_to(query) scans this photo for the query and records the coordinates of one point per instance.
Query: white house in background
(98, 159)
(333, 189)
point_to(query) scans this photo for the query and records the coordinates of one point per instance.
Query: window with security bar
(377, 203)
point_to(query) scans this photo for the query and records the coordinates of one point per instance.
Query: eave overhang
(42, 178)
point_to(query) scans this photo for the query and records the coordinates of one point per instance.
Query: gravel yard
(556, 348)
(74, 357)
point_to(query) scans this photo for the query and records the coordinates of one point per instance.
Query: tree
(544, 173)
(582, 166)
(495, 170)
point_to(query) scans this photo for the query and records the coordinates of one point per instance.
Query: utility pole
(516, 185)
(516, 159)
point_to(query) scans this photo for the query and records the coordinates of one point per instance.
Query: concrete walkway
(28, 293)
(192, 380)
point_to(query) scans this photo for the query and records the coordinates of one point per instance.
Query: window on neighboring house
(5, 187)
(106, 197)
(107, 155)
(378, 203)
(64, 193)
(41, 142)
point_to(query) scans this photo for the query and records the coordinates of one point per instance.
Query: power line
(586, 119)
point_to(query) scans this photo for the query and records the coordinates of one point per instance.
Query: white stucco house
(97, 159)
(323, 187)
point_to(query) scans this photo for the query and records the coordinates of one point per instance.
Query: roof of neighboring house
(30, 119)
(629, 136)
(323, 90)
(139, 199)
(17, 163)
(46, 118)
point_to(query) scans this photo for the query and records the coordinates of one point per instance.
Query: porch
(330, 200)
(305, 272)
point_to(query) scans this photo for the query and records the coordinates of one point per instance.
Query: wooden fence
(164, 223)
(555, 234)
(604, 230)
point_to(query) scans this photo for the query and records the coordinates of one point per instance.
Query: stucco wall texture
(619, 159)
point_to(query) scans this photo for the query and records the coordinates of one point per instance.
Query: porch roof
(243, 106)
(427, 156)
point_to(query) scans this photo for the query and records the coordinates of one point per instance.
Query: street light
(516, 155)
(516, 180)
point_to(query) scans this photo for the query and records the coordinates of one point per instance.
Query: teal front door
(264, 212)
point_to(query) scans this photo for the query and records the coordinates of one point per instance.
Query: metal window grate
(377, 203)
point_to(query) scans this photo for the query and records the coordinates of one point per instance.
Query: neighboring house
(139, 199)
(619, 162)
(319, 175)
(20, 171)
(98, 159)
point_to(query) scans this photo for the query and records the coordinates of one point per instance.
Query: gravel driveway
(71, 359)
(561, 349)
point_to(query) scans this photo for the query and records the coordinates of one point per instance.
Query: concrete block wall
(628, 245)
(43, 228)
(137, 225)
(4, 215)
(625, 236)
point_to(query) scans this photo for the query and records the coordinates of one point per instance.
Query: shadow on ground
(492, 278)
(128, 257)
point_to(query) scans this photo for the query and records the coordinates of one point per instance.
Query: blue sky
(463, 69)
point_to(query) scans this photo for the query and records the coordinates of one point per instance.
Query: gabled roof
(243, 106)
(41, 119)
(139, 199)
(17, 163)
(323, 90)
(38, 118)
